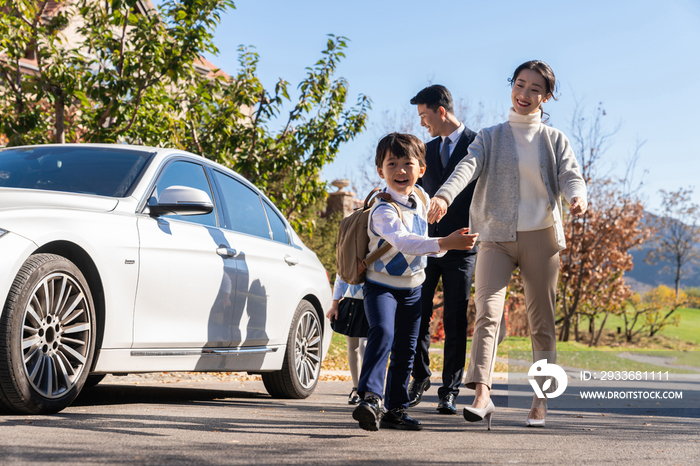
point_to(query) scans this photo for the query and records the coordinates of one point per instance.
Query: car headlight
(2, 232)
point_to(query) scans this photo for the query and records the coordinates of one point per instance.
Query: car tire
(302, 358)
(93, 380)
(47, 336)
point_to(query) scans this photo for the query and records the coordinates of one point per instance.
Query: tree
(33, 100)
(136, 77)
(596, 257)
(285, 163)
(678, 234)
(651, 312)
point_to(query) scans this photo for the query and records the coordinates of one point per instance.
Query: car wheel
(47, 336)
(302, 359)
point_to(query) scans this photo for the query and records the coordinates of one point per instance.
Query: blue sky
(641, 59)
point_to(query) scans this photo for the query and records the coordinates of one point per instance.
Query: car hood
(11, 199)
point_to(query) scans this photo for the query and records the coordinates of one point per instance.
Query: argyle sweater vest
(396, 269)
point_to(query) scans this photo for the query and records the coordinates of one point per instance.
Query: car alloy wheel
(55, 335)
(302, 359)
(47, 334)
(307, 346)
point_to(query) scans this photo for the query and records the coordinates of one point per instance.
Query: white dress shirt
(386, 223)
(454, 138)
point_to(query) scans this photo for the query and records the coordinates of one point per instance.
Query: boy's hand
(438, 208)
(578, 207)
(459, 239)
(332, 314)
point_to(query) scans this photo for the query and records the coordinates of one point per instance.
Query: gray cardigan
(493, 159)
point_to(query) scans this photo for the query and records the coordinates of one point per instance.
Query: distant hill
(645, 277)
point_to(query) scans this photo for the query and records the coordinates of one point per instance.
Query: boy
(392, 288)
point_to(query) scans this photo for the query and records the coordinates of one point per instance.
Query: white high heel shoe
(537, 422)
(474, 414)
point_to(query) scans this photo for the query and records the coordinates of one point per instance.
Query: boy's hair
(401, 145)
(434, 97)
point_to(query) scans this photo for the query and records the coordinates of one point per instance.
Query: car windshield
(88, 170)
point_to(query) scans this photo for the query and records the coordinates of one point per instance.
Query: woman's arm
(571, 183)
(467, 169)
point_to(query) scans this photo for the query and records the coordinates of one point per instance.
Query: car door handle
(226, 252)
(291, 260)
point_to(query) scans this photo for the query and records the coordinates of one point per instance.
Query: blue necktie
(445, 152)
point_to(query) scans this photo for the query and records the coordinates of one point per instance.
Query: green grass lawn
(688, 330)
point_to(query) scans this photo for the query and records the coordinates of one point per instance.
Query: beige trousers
(537, 255)
(356, 352)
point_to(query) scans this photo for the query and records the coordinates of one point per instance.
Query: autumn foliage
(591, 279)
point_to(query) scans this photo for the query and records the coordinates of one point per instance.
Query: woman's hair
(546, 72)
(401, 145)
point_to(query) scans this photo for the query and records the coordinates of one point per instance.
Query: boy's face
(400, 174)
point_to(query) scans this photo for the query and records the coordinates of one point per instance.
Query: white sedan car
(127, 259)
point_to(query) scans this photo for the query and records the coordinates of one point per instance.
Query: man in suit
(452, 138)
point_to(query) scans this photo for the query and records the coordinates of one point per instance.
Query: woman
(523, 169)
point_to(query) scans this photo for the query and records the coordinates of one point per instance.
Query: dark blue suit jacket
(457, 215)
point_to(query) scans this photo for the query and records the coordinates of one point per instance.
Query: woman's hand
(438, 208)
(332, 314)
(578, 206)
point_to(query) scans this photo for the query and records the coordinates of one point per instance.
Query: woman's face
(529, 92)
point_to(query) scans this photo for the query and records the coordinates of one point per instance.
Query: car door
(265, 260)
(186, 281)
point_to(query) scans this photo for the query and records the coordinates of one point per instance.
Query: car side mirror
(181, 200)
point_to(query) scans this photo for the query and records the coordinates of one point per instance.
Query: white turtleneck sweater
(534, 212)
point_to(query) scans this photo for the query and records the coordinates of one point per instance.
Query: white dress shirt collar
(454, 136)
(400, 198)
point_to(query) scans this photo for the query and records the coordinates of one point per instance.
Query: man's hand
(578, 206)
(438, 208)
(460, 239)
(332, 314)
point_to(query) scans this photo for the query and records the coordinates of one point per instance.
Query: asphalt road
(208, 421)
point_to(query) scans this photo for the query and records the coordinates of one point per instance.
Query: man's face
(432, 120)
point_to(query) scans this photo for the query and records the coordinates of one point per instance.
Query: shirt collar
(455, 135)
(400, 198)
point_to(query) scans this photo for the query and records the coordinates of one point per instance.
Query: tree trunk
(60, 127)
(564, 335)
(678, 276)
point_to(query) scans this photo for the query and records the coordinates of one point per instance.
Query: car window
(189, 174)
(279, 231)
(242, 206)
(99, 171)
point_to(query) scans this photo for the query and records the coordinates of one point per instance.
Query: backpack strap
(420, 194)
(386, 246)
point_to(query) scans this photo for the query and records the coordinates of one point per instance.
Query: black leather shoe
(398, 419)
(447, 404)
(415, 391)
(353, 397)
(368, 413)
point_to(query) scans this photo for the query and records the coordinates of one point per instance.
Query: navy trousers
(457, 270)
(394, 317)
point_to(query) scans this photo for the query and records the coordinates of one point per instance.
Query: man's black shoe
(398, 419)
(447, 404)
(368, 413)
(415, 391)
